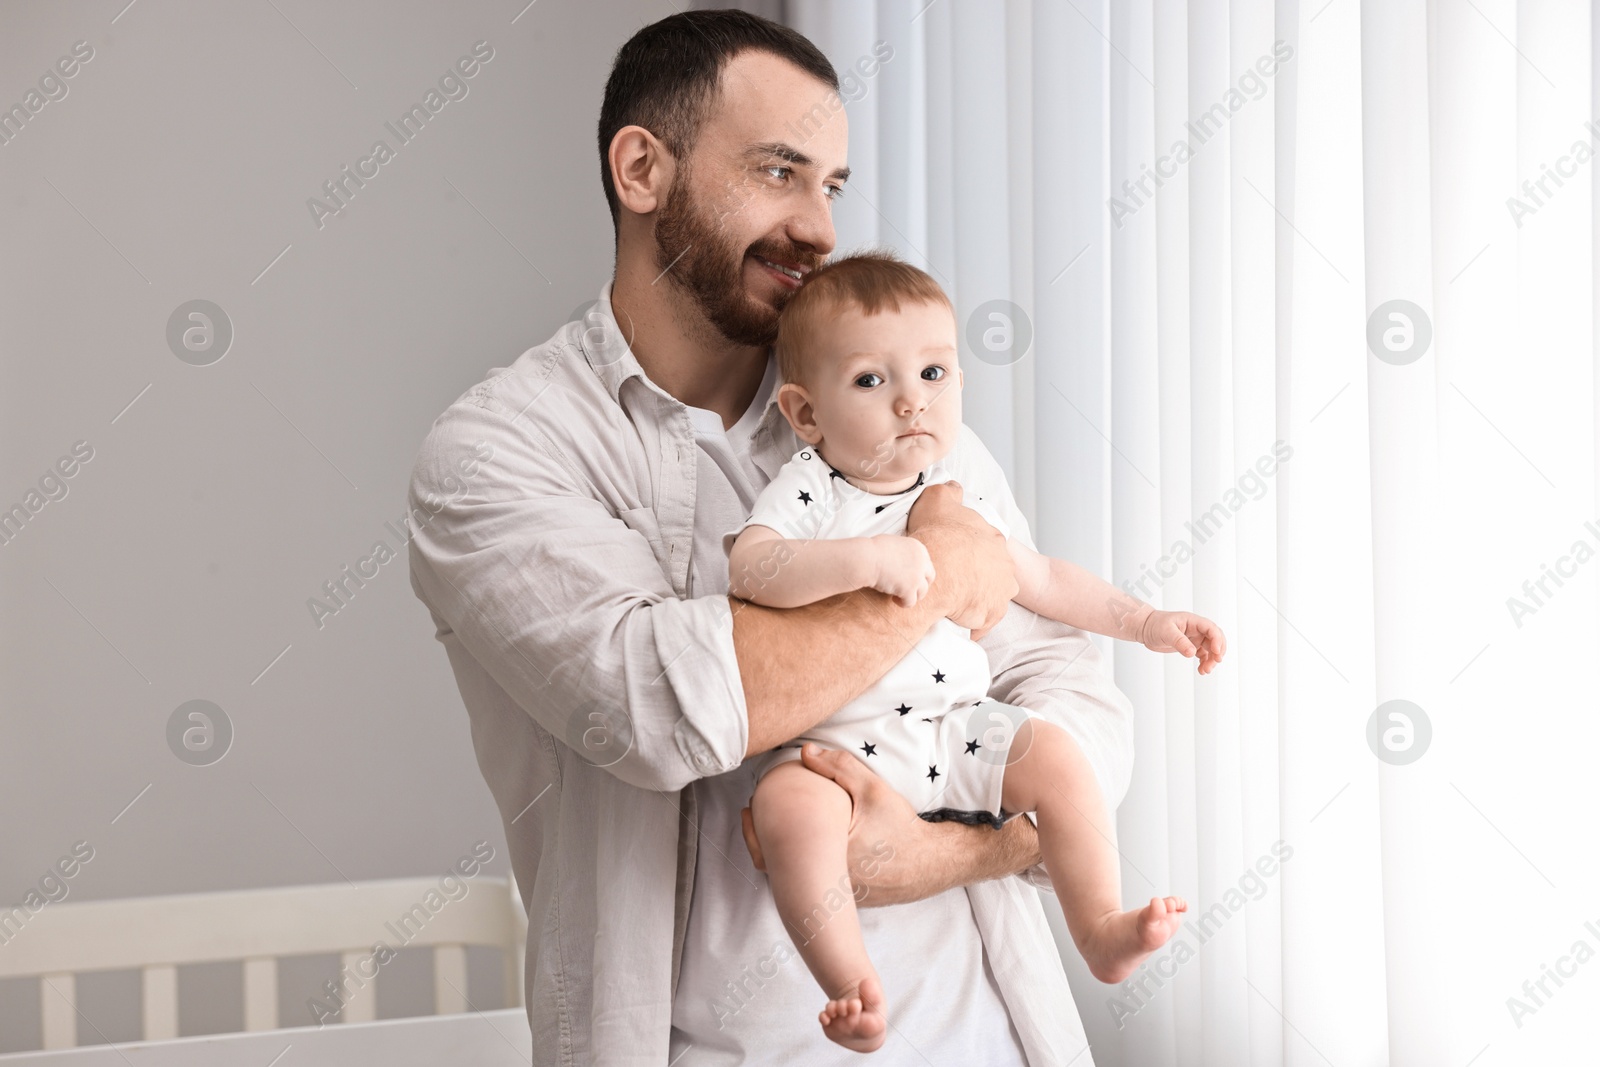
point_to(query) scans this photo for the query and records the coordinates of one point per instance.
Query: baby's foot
(1124, 938)
(858, 1019)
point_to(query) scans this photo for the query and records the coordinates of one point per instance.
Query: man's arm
(799, 665)
(896, 856)
(563, 602)
(559, 595)
(925, 858)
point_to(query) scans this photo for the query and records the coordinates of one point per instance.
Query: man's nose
(813, 225)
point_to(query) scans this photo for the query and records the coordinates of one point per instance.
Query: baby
(867, 352)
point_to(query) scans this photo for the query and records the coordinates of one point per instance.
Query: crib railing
(156, 935)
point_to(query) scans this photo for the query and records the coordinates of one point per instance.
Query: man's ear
(642, 169)
(795, 404)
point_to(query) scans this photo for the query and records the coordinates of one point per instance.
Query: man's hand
(883, 825)
(898, 857)
(976, 577)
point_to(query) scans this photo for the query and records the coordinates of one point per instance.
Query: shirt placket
(679, 467)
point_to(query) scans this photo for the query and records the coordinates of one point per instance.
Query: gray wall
(178, 564)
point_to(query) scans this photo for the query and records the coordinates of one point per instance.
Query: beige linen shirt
(552, 508)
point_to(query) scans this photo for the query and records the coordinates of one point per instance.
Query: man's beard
(700, 259)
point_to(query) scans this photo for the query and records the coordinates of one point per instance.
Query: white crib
(257, 926)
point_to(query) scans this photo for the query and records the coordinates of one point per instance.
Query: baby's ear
(795, 404)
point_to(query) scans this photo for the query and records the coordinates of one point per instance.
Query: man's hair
(665, 78)
(869, 281)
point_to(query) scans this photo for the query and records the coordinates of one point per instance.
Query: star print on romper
(938, 676)
(933, 772)
(869, 748)
(805, 497)
(972, 746)
(903, 710)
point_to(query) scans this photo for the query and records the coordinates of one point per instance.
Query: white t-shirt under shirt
(744, 995)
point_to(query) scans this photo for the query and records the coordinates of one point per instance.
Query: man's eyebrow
(790, 154)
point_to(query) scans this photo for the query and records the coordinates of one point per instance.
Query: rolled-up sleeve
(1048, 667)
(565, 604)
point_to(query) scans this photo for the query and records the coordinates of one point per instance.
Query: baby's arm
(779, 572)
(1070, 594)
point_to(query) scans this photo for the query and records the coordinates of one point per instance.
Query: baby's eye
(932, 373)
(868, 380)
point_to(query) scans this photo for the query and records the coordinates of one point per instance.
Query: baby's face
(884, 392)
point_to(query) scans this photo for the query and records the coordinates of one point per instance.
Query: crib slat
(361, 1006)
(58, 1010)
(449, 979)
(513, 953)
(511, 959)
(261, 993)
(160, 1002)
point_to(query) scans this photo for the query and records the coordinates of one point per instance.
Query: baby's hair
(868, 281)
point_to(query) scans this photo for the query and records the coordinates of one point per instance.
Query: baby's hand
(904, 569)
(1186, 633)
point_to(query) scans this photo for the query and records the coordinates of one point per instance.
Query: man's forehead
(767, 105)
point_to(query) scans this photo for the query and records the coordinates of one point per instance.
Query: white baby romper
(923, 726)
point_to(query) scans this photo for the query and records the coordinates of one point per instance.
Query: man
(572, 563)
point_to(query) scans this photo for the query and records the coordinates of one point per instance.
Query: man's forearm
(800, 665)
(952, 854)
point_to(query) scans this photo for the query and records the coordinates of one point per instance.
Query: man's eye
(781, 170)
(835, 192)
(932, 373)
(867, 381)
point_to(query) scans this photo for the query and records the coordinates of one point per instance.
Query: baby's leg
(802, 821)
(1047, 774)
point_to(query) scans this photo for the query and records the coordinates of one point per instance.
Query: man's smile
(788, 275)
